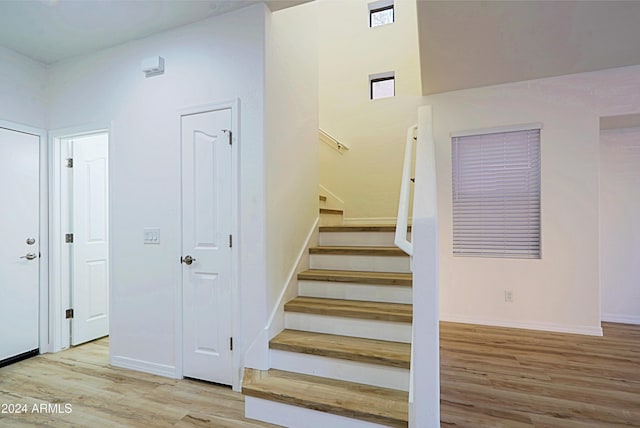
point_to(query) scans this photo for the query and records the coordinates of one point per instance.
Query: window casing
(496, 193)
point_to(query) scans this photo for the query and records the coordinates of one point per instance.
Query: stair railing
(332, 142)
(401, 240)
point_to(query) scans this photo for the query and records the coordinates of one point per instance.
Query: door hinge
(229, 133)
(231, 344)
(68, 238)
(68, 314)
(69, 163)
(230, 241)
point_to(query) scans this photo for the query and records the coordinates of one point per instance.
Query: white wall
(23, 94)
(561, 291)
(217, 59)
(291, 147)
(620, 224)
(367, 177)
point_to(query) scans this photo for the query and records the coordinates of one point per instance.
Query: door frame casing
(59, 277)
(44, 332)
(234, 105)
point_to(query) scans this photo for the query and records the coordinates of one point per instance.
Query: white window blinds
(496, 194)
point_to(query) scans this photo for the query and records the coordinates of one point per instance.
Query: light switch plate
(151, 235)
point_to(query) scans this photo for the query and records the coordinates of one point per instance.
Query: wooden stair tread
(378, 278)
(358, 251)
(382, 352)
(361, 228)
(330, 211)
(374, 404)
(398, 312)
(323, 198)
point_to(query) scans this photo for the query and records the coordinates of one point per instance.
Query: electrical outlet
(508, 296)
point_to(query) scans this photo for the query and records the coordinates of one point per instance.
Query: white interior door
(19, 245)
(206, 228)
(90, 248)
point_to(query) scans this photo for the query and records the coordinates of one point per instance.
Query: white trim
(145, 366)
(44, 326)
(255, 351)
(369, 220)
(291, 278)
(236, 311)
(392, 331)
(341, 369)
(15, 126)
(58, 275)
(496, 130)
(539, 326)
(333, 196)
(621, 319)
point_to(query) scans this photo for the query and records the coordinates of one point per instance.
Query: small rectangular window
(381, 13)
(382, 86)
(496, 193)
(381, 16)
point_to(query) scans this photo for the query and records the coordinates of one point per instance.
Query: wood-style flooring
(104, 396)
(490, 377)
(497, 377)
(382, 406)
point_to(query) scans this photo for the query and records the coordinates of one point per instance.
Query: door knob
(29, 256)
(187, 260)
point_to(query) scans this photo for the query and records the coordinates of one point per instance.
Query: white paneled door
(206, 246)
(90, 249)
(19, 243)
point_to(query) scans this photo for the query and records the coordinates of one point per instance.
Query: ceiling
(53, 30)
(463, 44)
(466, 44)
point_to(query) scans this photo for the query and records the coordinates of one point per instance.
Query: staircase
(343, 358)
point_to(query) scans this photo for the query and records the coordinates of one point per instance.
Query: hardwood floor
(490, 377)
(103, 396)
(497, 377)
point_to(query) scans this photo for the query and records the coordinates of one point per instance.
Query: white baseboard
(276, 320)
(621, 319)
(556, 328)
(145, 366)
(369, 220)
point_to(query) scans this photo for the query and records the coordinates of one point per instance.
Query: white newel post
(424, 399)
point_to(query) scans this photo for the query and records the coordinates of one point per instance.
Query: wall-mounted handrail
(401, 240)
(332, 142)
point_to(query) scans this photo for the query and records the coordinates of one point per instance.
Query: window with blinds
(496, 193)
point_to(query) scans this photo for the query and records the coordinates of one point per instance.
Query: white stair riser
(333, 368)
(355, 291)
(360, 263)
(360, 239)
(298, 417)
(330, 219)
(354, 327)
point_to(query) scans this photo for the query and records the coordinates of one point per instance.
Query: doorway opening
(80, 231)
(619, 213)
